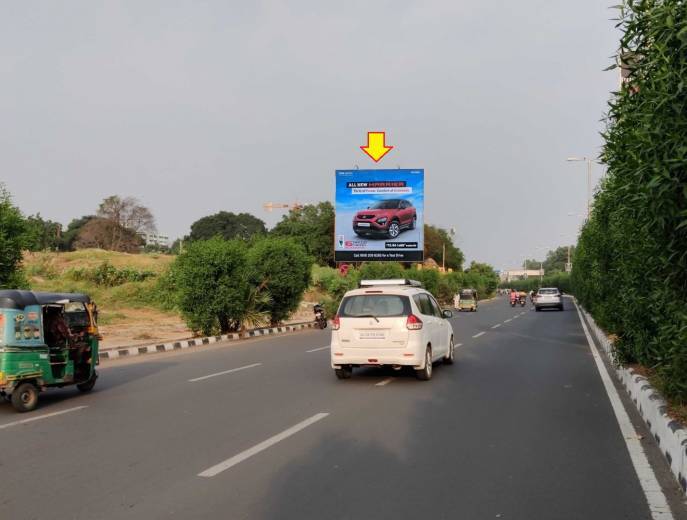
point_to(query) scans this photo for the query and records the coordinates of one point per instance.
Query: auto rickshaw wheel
(25, 397)
(87, 386)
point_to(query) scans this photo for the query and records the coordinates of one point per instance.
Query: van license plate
(363, 224)
(372, 334)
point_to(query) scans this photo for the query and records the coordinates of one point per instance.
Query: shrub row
(560, 280)
(630, 268)
(106, 275)
(443, 286)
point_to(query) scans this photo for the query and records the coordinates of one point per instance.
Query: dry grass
(90, 258)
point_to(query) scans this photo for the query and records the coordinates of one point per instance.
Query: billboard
(379, 215)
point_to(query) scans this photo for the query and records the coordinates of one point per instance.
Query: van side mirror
(447, 314)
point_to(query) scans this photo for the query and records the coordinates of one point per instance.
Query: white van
(390, 322)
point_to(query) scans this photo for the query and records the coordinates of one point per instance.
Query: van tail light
(336, 323)
(413, 323)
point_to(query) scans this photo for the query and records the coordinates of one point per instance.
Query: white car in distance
(390, 322)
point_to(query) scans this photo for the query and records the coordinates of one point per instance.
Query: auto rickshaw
(468, 300)
(46, 340)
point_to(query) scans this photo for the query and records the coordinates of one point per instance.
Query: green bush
(280, 267)
(106, 275)
(212, 285)
(630, 267)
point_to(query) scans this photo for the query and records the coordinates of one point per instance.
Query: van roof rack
(392, 281)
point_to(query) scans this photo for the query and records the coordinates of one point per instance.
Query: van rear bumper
(377, 357)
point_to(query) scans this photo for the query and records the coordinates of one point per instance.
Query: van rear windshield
(377, 305)
(548, 291)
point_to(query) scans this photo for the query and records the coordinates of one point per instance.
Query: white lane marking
(385, 382)
(523, 312)
(457, 345)
(515, 317)
(496, 326)
(237, 459)
(38, 418)
(223, 373)
(509, 319)
(479, 334)
(658, 505)
(318, 349)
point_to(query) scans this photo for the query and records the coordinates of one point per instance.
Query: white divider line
(658, 505)
(318, 349)
(515, 317)
(457, 345)
(237, 459)
(223, 373)
(496, 326)
(479, 334)
(38, 418)
(385, 382)
(508, 320)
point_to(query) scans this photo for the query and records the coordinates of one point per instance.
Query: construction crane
(270, 206)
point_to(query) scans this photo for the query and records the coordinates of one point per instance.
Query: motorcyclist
(513, 295)
(320, 316)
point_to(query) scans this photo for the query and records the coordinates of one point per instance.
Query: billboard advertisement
(379, 215)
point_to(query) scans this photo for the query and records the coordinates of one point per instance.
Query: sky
(200, 106)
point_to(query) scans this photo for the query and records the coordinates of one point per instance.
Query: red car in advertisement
(386, 218)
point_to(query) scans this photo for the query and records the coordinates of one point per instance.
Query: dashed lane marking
(479, 334)
(385, 382)
(237, 459)
(496, 326)
(318, 349)
(202, 378)
(39, 417)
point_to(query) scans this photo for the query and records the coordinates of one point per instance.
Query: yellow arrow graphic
(376, 145)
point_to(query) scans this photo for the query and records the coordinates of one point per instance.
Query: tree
(227, 225)
(42, 234)
(281, 267)
(72, 231)
(482, 276)
(12, 240)
(313, 227)
(435, 240)
(125, 214)
(532, 264)
(106, 234)
(556, 259)
(212, 285)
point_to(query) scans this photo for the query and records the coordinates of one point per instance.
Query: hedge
(630, 267)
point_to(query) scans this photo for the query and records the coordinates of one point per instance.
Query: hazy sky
(201, 106)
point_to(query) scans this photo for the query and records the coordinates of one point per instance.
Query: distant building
(520, 274)
(155, 239)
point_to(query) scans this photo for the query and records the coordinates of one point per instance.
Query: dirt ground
(146, 326)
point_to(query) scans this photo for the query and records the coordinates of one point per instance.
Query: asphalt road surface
(521, 427)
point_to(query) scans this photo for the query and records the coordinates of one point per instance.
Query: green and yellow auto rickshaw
(46, 340)
(467, 300)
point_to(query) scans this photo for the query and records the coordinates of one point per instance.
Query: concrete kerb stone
(668, 433)
(120, 352)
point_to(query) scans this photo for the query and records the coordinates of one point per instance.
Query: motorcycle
(513, 302)
(320, 317)
(523, 301)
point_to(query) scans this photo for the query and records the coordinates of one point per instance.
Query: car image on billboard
(379, 215)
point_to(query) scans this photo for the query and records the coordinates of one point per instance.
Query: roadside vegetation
(229, 274)
(556, 279)
(630, 268)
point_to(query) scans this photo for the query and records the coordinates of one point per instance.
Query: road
(520, 427)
